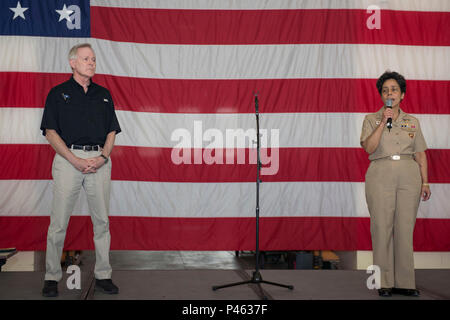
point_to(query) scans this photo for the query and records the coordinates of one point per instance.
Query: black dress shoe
(50, 288)
(106, 286)
(406, 292)
(385, 292)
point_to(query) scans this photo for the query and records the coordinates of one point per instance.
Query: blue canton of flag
(45, 18)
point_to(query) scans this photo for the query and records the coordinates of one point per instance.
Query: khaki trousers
(393, 194)
(67, 183)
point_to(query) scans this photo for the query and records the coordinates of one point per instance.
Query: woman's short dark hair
(391, 75)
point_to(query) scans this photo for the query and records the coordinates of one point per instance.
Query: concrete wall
(348, 260)
(360, 260)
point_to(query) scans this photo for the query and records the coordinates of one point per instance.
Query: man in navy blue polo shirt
(80, 123)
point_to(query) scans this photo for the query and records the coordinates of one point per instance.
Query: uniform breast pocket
(408, 136)
(410, 132)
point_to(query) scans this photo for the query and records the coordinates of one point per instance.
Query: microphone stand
(256, 278)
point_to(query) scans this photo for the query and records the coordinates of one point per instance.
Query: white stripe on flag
(412, 5)
(36, 54)
(143, 129)
(201, 200)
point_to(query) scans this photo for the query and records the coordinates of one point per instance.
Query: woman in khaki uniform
(396, 179)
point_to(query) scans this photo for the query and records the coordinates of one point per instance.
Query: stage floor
(187, 275)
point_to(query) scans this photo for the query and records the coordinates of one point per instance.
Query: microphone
(256, 103)
(389, 120)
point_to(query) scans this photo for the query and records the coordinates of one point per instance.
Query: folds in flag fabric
(183, 75)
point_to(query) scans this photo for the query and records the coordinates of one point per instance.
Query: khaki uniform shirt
(405, 136)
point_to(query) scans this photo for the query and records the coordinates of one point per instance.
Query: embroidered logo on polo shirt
(66, 97)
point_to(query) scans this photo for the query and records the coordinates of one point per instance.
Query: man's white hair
(73, 51)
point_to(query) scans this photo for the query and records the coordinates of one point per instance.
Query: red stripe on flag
(299, 233)
(155, 164)
(228, 27)
(232, 96)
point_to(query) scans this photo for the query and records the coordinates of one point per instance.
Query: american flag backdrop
(194, 66)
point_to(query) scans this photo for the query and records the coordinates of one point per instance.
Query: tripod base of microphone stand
(256, 279)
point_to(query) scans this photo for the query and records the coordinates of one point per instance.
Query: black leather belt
(85, 148)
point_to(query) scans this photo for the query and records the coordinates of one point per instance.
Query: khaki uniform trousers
(67, 183)
(393, 194)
